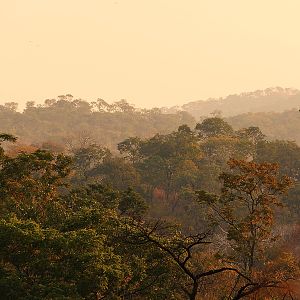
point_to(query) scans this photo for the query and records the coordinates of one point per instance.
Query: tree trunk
(194, 292)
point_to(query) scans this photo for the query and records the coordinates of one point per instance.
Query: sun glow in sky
(152, 53)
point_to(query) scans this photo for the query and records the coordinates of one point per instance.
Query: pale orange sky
(150, 52)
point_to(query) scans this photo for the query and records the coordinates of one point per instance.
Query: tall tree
(245, 211)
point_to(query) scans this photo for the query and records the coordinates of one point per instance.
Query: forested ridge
(65, 120)
(276, 99)
(202, 211)
(275, 125)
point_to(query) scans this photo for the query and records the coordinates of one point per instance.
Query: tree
(4, 137)
(116, 172)
(131, 148)
(166, 156)
(185, 253)
(57, 242)
(252, 133)
(30, 105)
(101, 105)
(38, 263)
(145, 272)
(212, 127)
(124, 106)
(13, 106)
(30, 181)
(87, 158)
(245, 210)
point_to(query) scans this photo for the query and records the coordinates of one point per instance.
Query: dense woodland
(178, 209)
(275, 99)
(275, 125)
(64, 121)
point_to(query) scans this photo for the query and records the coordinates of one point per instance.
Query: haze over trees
(203, 212)
(65, 120)
(139, 157)
(106, 201)
(275, 99)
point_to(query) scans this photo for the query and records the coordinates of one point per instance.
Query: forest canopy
(65, 121)
(201, 212)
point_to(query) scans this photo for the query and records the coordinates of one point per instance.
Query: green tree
(30, 183)
(87, 158)
(39, 263)
(212, 127)
(131, 149)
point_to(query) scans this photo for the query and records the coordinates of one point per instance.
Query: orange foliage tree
(244, 210)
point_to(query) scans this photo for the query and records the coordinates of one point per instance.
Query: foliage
(90, 223)
(245, 210)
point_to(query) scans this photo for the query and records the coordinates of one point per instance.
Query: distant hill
(69, 121)
(66, 120)
(275, 125)
(269, 100)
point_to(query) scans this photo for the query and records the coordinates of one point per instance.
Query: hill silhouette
(66, 120)
(269, 100)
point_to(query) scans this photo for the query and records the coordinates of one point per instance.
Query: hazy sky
(150, 52)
